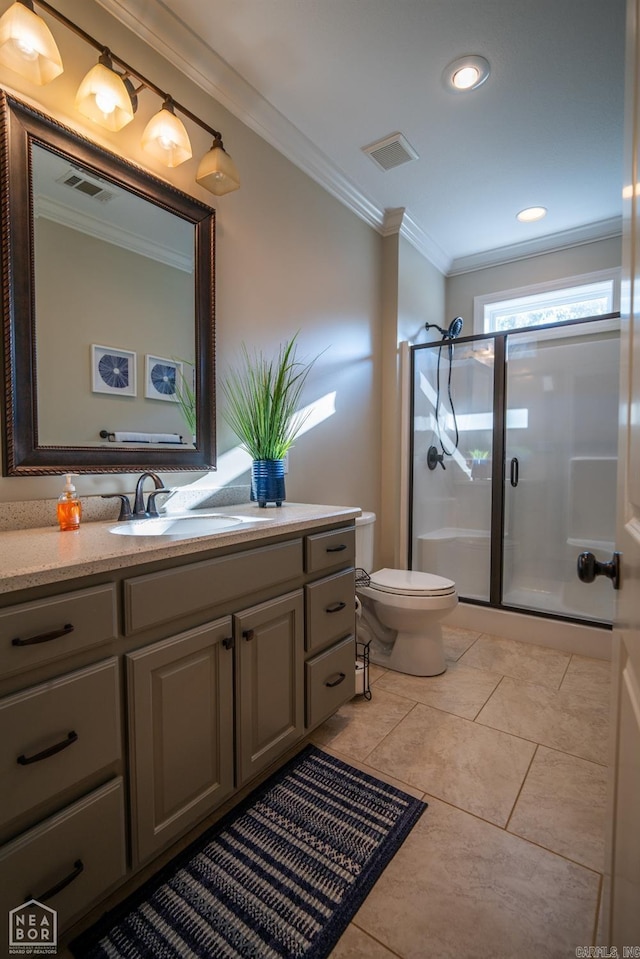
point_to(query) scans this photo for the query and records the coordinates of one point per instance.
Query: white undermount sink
(181, 526)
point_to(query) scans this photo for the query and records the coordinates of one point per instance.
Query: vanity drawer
(84, 844)
(56, 734)
(330, 680)
(326, 550)
(329, 609)
(162, 597)
(48, 629)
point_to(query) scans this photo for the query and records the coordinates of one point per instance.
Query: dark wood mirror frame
(21, 126)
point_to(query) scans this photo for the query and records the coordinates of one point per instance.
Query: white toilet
(401, 611)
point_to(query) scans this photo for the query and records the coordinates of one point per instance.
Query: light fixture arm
(128, 70)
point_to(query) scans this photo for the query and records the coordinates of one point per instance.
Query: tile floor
(508, 747)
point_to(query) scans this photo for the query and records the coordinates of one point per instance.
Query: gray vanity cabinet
(270, 688)
(136, 701)
(180, 694)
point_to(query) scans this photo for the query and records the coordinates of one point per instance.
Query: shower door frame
(496, 528)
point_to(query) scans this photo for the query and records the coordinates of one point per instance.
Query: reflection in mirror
(108, 308)
(87, 232)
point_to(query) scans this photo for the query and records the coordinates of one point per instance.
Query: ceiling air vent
(391, 152)
(78, 180)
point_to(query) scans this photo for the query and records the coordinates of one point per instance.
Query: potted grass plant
(262, 396)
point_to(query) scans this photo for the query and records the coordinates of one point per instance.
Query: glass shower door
(453, 390)
(560, 459)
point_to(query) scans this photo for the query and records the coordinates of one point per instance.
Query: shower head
(453, 330)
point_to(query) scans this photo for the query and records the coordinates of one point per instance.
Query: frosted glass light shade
(217, 172)
(166, 139)
(27, 46)
(103, 98)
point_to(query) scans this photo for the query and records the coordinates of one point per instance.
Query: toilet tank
(365, 525)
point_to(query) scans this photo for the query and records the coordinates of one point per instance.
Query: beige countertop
(35, 557)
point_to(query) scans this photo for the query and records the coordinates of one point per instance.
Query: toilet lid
(409, 582)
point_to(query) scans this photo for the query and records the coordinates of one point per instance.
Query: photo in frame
(113, 371)
(163, 378)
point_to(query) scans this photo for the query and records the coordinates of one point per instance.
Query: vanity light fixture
(166, 138)
(27, 46)
(108, 96)
(466, 73)
(217, 172)
(531, 214)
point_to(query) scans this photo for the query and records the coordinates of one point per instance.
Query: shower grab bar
(514, 471)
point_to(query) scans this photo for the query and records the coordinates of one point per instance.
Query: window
(562, 301)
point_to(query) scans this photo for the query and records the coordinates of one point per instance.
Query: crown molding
(189, 54)
(425, 244)
(110, 233)
(551, 243)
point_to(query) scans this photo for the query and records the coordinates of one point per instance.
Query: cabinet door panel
(180, 731)
(270, 639)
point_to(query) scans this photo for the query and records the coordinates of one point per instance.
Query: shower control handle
(589, 567)
(433, 458)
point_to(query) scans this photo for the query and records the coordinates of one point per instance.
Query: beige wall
(412, 290)
(587, 258)
(289, 257)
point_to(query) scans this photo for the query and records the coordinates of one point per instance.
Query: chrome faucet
(139, 511)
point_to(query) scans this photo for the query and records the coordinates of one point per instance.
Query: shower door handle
(589, 568)
(514, 471)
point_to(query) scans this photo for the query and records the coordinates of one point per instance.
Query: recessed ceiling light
(466, 73)
(531, 214)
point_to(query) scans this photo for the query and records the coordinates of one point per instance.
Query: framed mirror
(108, 308)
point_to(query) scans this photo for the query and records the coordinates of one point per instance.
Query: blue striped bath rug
(280, 877)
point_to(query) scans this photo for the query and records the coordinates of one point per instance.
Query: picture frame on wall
(162, 378)
(113, 370)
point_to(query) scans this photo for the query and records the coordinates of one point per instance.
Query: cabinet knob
(228, 642)
(249, 634)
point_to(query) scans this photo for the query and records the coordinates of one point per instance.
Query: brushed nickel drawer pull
(78, 867)
(44, 637)
(249, 634)
(336, 549)
(335, 608)
(340, 679)
(51, 751)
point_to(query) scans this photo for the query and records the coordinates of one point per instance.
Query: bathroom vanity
(145, 681)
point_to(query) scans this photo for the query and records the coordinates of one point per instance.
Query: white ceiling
(320, 79)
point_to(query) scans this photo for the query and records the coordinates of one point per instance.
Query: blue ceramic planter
(267, 482)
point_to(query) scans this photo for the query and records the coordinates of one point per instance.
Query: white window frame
(481, 302)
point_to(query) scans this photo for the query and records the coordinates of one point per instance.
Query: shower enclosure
(531, 482)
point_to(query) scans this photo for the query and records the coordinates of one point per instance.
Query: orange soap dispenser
(69, 507)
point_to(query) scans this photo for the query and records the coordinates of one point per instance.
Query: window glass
(552, 306)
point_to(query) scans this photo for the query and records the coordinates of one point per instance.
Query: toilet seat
(407, 582)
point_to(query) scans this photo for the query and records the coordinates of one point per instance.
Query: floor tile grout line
(427, 796)
(515, 802)
(488, 700)
(395, 726)
(599, 899)
(391, 951)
